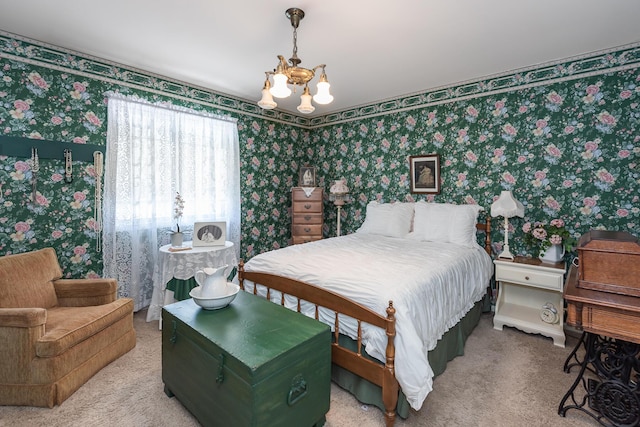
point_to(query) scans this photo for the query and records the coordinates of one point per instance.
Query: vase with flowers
(549, 241)
(177, 236)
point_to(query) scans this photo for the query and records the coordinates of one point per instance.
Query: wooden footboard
(382, 375)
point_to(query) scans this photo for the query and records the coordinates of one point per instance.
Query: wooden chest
(253, 363)
(609, 261)
(307, 214)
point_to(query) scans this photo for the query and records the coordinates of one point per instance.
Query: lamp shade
(339, 187)
(280, 88)
(305, 106)
(506, 206)
(323, 96)
(267, 101)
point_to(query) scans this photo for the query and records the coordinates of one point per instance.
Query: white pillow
(387, 219)
(445, 222)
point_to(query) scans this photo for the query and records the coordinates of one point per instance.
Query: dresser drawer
(307, 230)
(298, 195)
(305, 239)
(307, 206)
(307, 218)
(524, 276)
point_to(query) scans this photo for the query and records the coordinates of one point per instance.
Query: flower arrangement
(540, 236)
(177, 210)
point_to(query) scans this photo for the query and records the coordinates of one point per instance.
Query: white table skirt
(183, 265)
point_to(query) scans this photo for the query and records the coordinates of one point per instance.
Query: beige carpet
(506, 378)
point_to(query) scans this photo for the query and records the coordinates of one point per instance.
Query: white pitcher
(212, 282)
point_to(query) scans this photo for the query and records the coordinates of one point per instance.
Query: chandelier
(285, 74)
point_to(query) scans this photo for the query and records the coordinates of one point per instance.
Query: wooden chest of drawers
(307, 215)
(253, 363)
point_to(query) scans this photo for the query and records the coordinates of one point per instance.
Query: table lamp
(507, 207)
(338, 194)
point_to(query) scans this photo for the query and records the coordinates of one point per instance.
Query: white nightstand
(526, 285)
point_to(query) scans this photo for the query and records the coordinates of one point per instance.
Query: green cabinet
(253, 363)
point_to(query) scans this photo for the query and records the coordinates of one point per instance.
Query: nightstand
(529, 291)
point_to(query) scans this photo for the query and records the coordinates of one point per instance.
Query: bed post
(487, 236)
(241, 274)
(389, 382)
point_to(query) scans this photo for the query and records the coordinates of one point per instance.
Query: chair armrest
(20, 329)
(22, 317)
(85, 292)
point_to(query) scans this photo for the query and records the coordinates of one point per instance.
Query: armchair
(56, 333)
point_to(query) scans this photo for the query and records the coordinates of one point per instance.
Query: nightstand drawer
(517, 274)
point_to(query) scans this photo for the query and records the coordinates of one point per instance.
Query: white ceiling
(374, 50)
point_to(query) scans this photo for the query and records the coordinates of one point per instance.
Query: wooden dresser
(307, 214)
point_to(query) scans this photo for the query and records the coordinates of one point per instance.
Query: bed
(390, 291)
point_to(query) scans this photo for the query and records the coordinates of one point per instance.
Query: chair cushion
(26, 279)
(68, 326)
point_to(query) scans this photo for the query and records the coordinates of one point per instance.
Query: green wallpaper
(568, 150)
(564, 138)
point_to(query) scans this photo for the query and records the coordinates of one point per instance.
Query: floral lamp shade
(339, 194)
(506, 206)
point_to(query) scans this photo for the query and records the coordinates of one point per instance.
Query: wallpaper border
(23, 49)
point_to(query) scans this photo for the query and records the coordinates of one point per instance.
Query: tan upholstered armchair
(56, 333)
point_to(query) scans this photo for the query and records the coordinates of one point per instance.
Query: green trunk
(253, 363)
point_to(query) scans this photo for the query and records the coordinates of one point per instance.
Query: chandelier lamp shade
(339, 194)
(506, 206)
(290, 73)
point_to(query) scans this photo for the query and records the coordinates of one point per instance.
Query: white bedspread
(432, 286)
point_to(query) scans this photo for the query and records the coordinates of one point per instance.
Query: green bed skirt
(449, 346)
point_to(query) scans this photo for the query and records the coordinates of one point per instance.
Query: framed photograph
(307, 177)
(425, 173)
(209, 233)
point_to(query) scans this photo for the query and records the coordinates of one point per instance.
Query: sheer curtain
(153, 152)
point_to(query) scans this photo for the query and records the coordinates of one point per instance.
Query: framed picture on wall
(307, 176)
(425, 173)
(209, 233)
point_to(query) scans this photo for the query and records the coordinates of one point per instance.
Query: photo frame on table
(209, 233)
(307, 177)
(425, 173)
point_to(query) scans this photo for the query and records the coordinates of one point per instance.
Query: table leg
(612, 395)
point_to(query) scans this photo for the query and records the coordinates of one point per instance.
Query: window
(154, 151)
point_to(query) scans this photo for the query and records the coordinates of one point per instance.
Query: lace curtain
(154, 151)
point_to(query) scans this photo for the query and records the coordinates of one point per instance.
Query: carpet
(506, 378)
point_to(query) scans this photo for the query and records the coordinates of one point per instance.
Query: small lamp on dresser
(507, 207)
(339, 194)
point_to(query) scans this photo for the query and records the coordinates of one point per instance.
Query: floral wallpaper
(568, 148)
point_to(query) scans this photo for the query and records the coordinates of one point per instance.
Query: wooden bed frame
(382, 375)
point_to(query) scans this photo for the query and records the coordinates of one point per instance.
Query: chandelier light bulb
(280, 88)
(323, 96)
(305, 106)
(267, 101)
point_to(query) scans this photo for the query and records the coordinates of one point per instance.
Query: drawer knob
(307, 206)
(307, 230)
(307, 217)
(526, 277)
